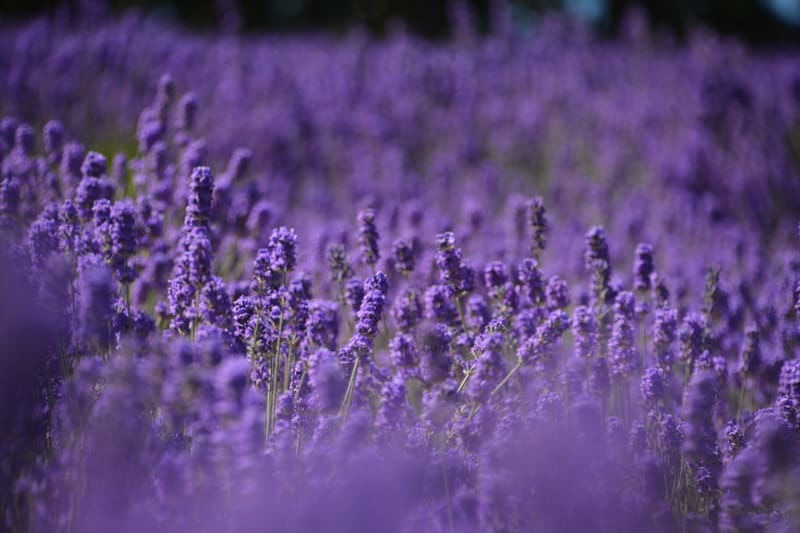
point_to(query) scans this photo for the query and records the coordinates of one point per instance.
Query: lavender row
(315, 293)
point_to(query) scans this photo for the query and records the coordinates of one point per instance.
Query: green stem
(272, 393)
(287, 369)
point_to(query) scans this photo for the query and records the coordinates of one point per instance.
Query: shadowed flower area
(505, 282)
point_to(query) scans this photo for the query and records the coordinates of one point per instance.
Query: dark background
(761, 22)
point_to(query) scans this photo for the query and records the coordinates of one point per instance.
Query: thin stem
(300, 384)
(508, 377)
(267, 416)
(349, 392)
(464, 381)
(462, 316)
(497, 388)
(195, 321)
(287, 369)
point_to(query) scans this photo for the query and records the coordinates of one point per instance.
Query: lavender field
(511, 282)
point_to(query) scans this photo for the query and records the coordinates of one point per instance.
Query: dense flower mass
(508, 282)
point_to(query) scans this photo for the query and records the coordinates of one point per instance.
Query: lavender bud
(653, 386)
(622, 351)
(489, 368)
(478, 312)
(665, 331)
(692, 335)
(71, 162)
(495, 275)
(734, 440)
(643, 267)
(368, 237)
(323, 323)
(215, 304)
(584, 329)
(404, 355)
(407, 310)
(187, 111)
(537, 349)
(338, 263)
(439, 303)
(789, 380)
(119, 168)
(537, 220)
(557, 293)
(598, 262)
(751, 353)
(452, 268)
(25, 138)
(238, 164)
(282, 249)
(94, 165)
(198, 211)
(354, 294)
(403, 256)
(53, 139)
(531, 281)
(371, 310)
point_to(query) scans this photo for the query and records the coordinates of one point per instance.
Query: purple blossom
(489, 368)
(538, 349)
(453, 270)
(354, 294)
(557, 292)
(368, 237)
(584, 330)
(643, 267)
(407, 310)
(531, 281)
(654, 386)
(692, 335)
(440, 304)
(537, 219)
(371, 310)
(404, 355)
(665, 329)
(282, 249)
(495, 275)
(403, 255)
(598, 263)
(198, 210)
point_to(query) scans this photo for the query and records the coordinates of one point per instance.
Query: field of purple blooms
(508, 282)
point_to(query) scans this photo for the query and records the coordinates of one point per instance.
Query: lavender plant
(269, 313)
